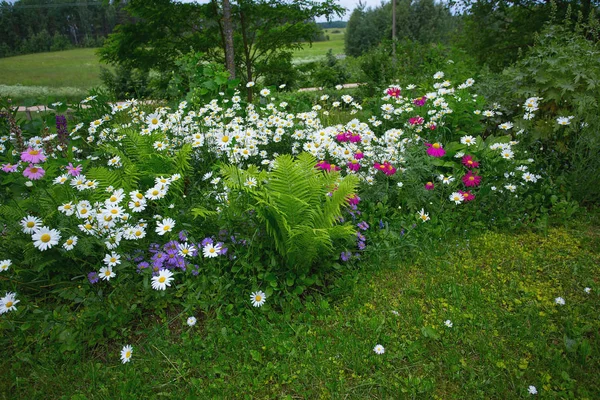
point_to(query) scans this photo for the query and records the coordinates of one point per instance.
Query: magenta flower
(469, 162)
(34, 172)
(386, 168)
(9, 167)
(74, 171)
(420, 101)
(416, 120)
(394, 92)
(353, 200)
(353, 165)
(33, 155)
(343, 137)
(471, 180)
(359, 155)
(468, 196)
(429, 186)
(435, 150)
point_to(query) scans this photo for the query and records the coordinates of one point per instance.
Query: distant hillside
(332, 24)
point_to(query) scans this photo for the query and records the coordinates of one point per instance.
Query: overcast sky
(349, 4)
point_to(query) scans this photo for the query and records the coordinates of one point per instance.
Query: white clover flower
(448, 323)
(191, 321)
(531, 389)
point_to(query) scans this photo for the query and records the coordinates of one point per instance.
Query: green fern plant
(299, 207)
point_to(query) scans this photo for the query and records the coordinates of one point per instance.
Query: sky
(349, 4)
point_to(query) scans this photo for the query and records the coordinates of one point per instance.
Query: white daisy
(70, 243)
(559, 301)
(211, 251)
(166, 225)
(448, 323)
(258, 298)
(162, 280)
(457, 198)
(191, 321)
(4, 264)
(126, 353)
(106, 273)
(379, 349)
(531, 389)
(31, 224)
(44, 238)
(7, 303)
(113, 259)
(468, 140)
(186, 249)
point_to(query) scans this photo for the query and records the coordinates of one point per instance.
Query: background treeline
(33, 26)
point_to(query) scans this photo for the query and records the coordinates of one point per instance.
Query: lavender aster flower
(93, 277)
(345, 256)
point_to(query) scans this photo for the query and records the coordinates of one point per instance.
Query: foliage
(562, 69)
(422, 21)
(496, 31)
(33, 26)
(298, 206)
(125, 83)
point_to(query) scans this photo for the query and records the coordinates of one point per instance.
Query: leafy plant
(299, 207)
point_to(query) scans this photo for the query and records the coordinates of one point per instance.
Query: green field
(69, 74)
(497, 289)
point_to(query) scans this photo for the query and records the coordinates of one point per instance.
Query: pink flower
(386, 168)
(353, 165)
(471, 180)
(324, 165)
(416, 120)
(435, 150)
(420, 101)
(468, 196)
(353, 200)
(355, 138)
(359, 155)
(9, 167)
(394, 92)
(469, 162)
(33, 155)
(34, 172)
(74, 171)
(343, 137)
(429, 186)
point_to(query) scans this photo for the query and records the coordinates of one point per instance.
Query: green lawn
(69, 74)
(497, 289)
(78, 68)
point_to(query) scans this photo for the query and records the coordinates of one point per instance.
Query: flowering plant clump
(103, 200)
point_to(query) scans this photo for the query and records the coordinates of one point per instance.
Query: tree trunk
(246, 53)
(228, 33)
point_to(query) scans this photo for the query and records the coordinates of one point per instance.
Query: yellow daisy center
(162, 279)
(166, 227)
(113, 259)
(9, 304)
(155, 192)
(45, 238)
(34, 152)
(258, 297)
(107, 273)
(139, 196)
(154, 121)
(30, 224)
(138, 233)
(436, 146)
(225, 139)
(128, 354)
(69, 242)
(114, 211)
(113, 198)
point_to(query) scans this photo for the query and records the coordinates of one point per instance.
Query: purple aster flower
(154, 248)
(345, 256)
(183, 236)
(363, 225)
(142, 265)
(360, 236)
(196, 270)
(171, 246)
(206, 241)
(381, 224)
(93, 277)
(74, 171)
(361, 245)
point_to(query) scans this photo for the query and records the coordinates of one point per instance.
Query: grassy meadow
(496, 290)
(70, 74)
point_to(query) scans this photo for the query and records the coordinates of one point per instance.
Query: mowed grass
(498, 290)
(319, 49)
(78, 68)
